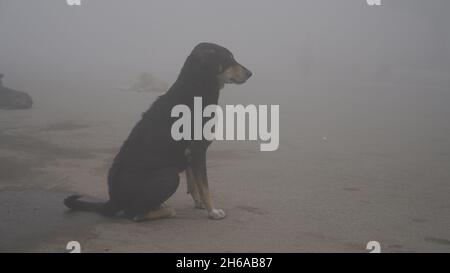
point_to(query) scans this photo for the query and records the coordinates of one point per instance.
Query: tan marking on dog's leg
(192, 189)
(213, 213)
(201, 180)
(204, 195)
(165, 212)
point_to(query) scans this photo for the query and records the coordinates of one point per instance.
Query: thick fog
(321, 59)
(107, 41)
(364, 96)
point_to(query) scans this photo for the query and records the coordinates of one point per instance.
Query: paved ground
(313, 194)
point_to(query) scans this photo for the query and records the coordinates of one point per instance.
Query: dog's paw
(216, 214)
(199, 205)
(163, 212)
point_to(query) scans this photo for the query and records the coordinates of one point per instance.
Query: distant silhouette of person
(1, 78)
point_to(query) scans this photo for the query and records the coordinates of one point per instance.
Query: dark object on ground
(13, 99)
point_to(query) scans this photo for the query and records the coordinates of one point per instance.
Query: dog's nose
(248, 73)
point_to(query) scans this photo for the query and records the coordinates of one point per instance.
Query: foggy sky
(106, 42)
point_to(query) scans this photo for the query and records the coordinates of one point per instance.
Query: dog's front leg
(201, 180)
(192, 188)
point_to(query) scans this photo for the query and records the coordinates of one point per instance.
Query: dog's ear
(208, 59)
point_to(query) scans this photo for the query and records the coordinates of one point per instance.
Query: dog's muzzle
(237, 74)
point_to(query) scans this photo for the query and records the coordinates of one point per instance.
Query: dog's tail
(103, 208)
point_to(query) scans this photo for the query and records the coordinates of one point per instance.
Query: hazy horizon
(105, 43)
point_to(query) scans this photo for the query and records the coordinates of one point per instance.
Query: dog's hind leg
(153, 190)
(192, 188)
(163, 212)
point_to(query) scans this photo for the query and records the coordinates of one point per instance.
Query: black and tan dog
(145, 173)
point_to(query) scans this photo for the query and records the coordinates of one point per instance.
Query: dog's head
(220, 62)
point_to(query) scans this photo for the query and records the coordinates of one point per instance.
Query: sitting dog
(145, 172)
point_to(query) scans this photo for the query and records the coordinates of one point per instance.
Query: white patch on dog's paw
(216, 214)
